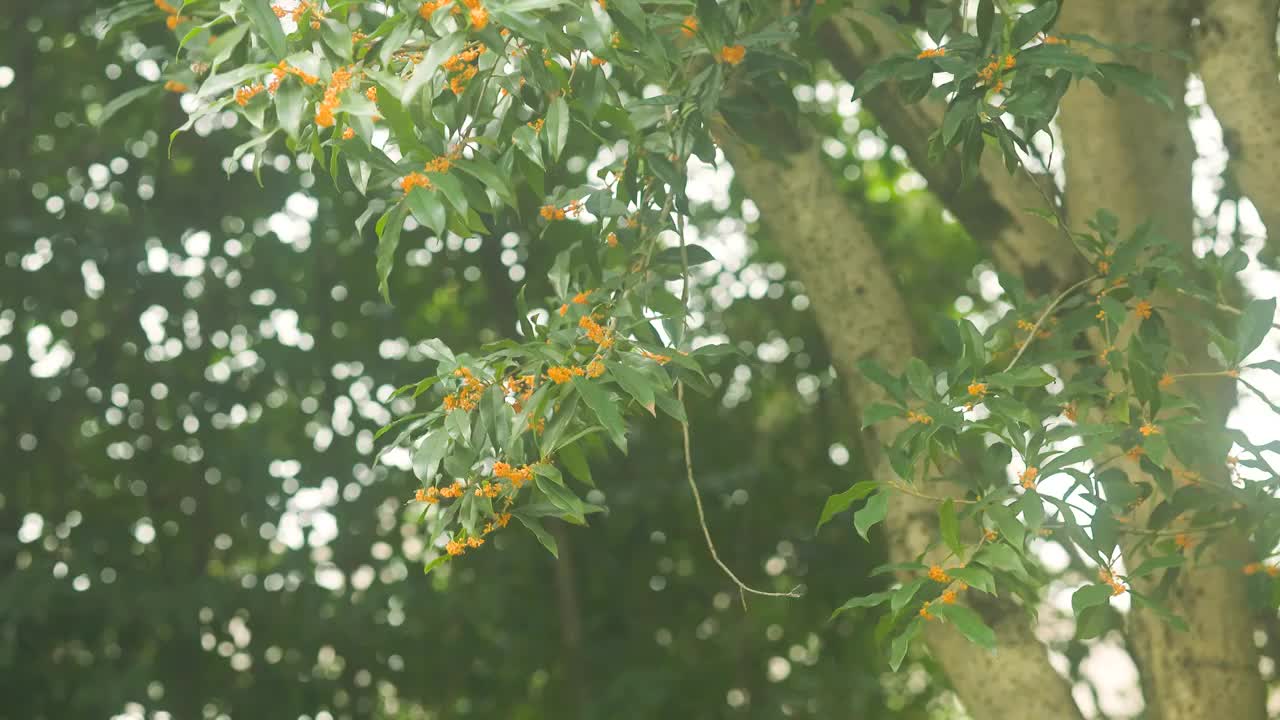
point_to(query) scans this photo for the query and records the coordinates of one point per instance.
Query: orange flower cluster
(989, 535)
(924, 611)
(517, 475)
(348, 133)
(452, 491)
(427, 9)
(931, 53)
(1148, 430)
(1255, 568)
(413, 180)
(499, 521)
(284, 69)
(689, 27)
(914, 417)
(430, 495)
(520, 389)
(949, 597)
(487, 490)
(536, 125)
(467, 396)
(1117, 587)
(988, 73)
(1054, 40)
(174, 86)
(1028, 478)
(174, 18)
(938, 575)
(598, 61)
(1184, 541)
(340, 80)
(245, 93)
(612, 239)
(660, 359)
(732, 54)
(463, 64)
(551, 212)
(596, 332)
(977, 389)
(478, 14)
(1135, 452)
(1166, 380)
(595, 368)
(1143, 309)
(560, 374)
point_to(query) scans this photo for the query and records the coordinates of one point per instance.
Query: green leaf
(949, 527)
(634, 382)
(864, 601)
(840, 502)
(1254, 325)
(1022, 377)
(937, 22)
(986, 22)
(1105, 532)
(968, 623)
(539, 532)
(1033, 22)
(526, 140)
(871, 513)
(898, 649)
(557, 126)
(290, 101)
(1145, 84)
(977, 578)
(1151, 565)
(1012, 530)
(426, 459)
(604, 408)
(267, 25)
(388, 229)
(576, 463)
(428, 208)
(488, 175)
(1089, 596)
(437, 562)
(552, 485)
(879, 412)
(903, 595)
(119, 102)
(1001, 557)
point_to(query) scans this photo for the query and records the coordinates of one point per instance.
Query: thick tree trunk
(1134, 159)
(1236, 46)
(862, 314)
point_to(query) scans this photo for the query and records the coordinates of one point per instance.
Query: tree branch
(862, 314)
(991, 207)
(1134, 158)
(1236, 46)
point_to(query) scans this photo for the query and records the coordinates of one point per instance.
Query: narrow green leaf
(900, 645)
(1254, 325)
(871, 513)
(557, 127)
(428, 208)
(864, 601)
(1089, 596)
(267, 25)
(879, 412)
(977, 578)
(1151, 565)
(903, 595)
(840, 502)
(388, 229)
(949, 526)
(635, 383)
(290, 101)
(1033, 22)
(968, 622)
(604, 408)
(119, 102)
(539, 532)
(488, 175)
(986, 22)
(552, 485)
(575, 461)
(426, 459)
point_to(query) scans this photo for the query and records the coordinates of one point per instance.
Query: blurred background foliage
(192, 369)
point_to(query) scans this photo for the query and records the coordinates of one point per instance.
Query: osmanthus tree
(1106, 384)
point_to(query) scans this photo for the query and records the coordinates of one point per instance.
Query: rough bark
(992, 208)
(1236, 46)
(862, 314)
(1134, 158)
